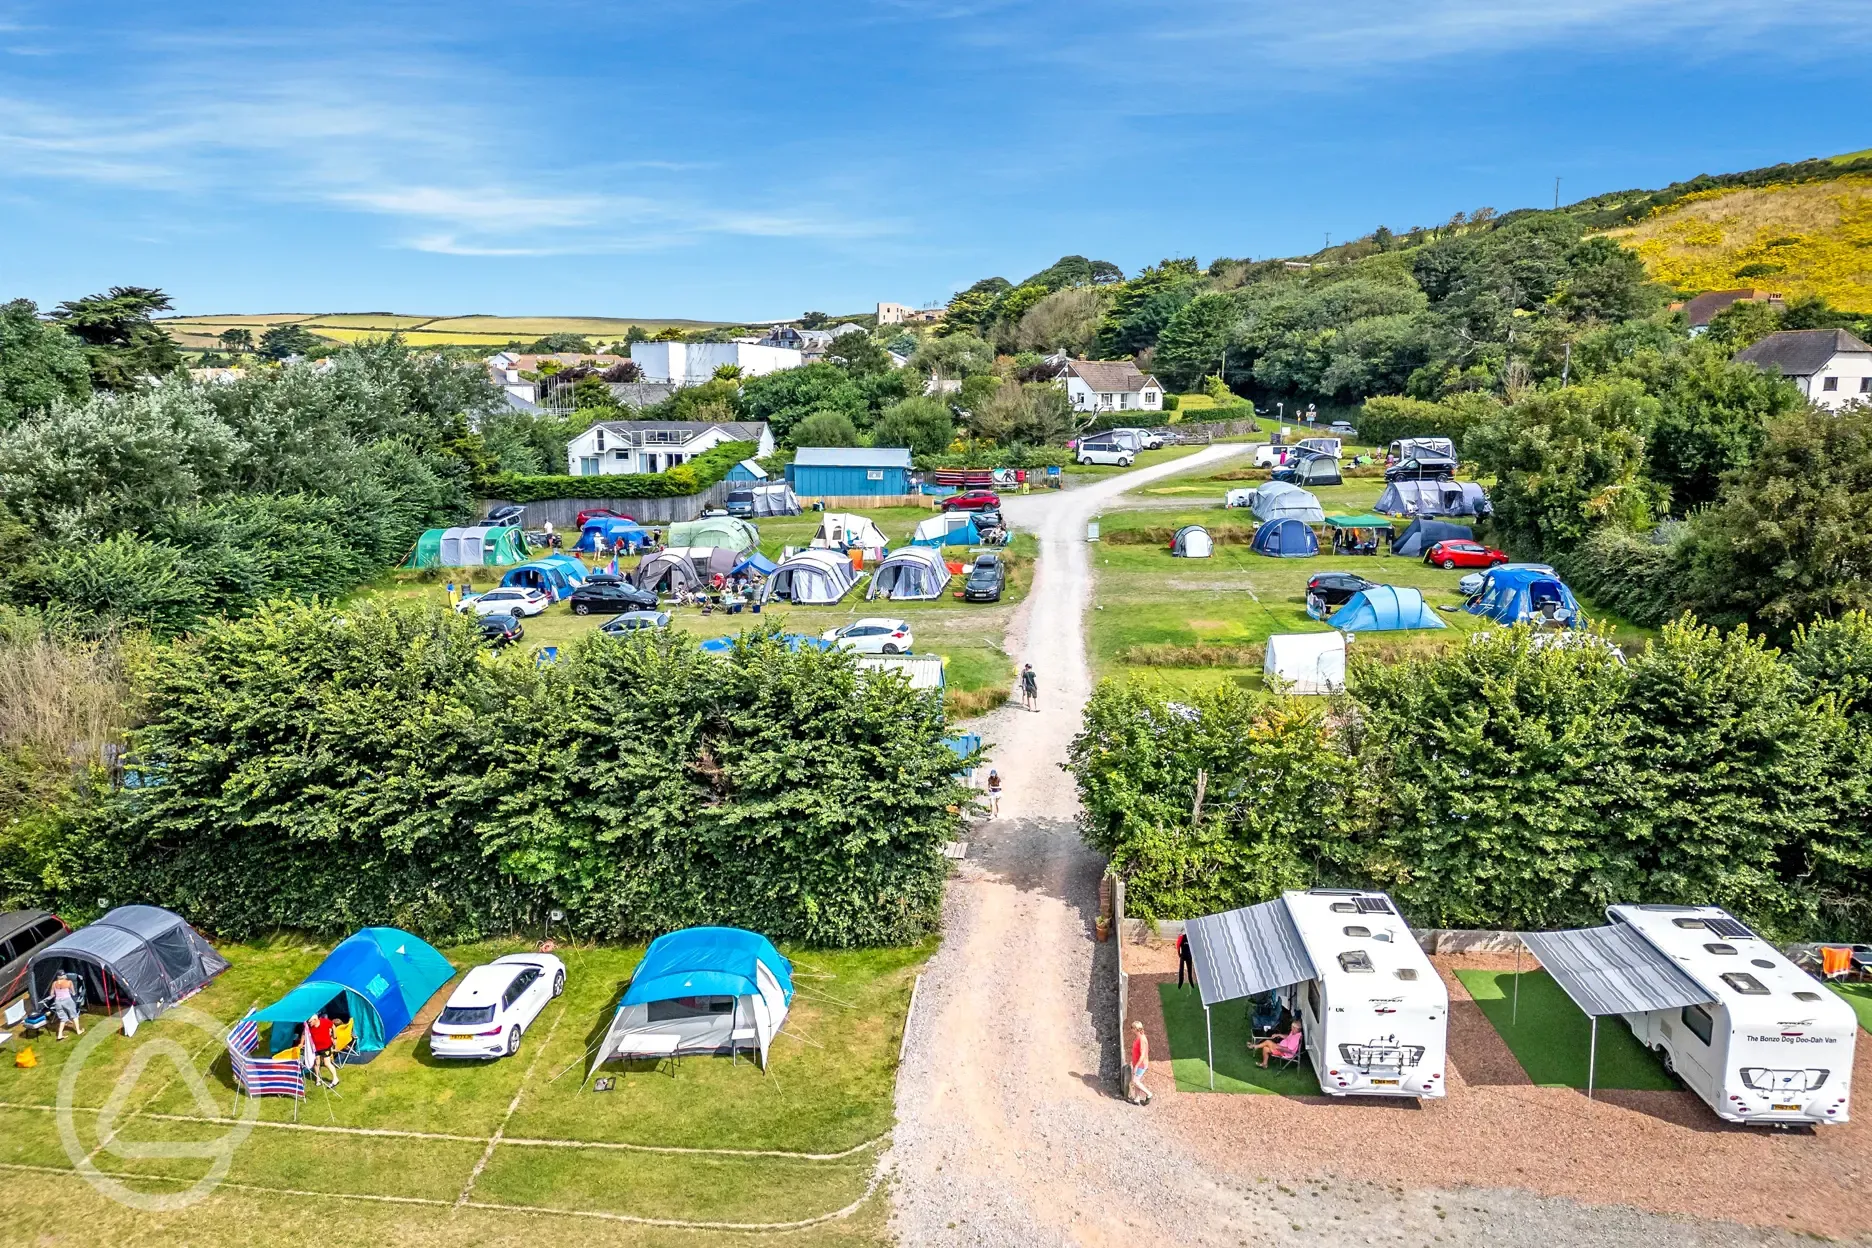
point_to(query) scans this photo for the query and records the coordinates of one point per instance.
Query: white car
(873, 636)
(1267, 455)
(508, 600)
(494, 1005)
(1104, 451)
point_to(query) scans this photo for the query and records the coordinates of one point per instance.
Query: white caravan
(1772, 1046)
(1376, 1013)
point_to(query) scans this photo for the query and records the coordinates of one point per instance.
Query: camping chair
(1836, 962)
(1281, 1060)
(1264, 1015)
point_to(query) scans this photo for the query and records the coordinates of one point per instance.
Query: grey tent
(1434, 498)
(1277, 500)
(1314, 470)
(1421, 535)
(135, 955)
(762, 499)
(910, 572)
(680, 568)
(1192, 541)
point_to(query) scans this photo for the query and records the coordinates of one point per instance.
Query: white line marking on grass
(487, 1154)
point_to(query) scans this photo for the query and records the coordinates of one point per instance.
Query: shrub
(684, 479)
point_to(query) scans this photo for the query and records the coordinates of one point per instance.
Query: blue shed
(843, 471)
(747, 470)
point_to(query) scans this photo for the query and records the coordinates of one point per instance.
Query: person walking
(1030, 688)
(1186, 963)
(994, 794)
(1140, 1063)
(65, 1003)
(318, 1040)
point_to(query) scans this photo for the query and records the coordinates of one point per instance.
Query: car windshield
(465, 1015)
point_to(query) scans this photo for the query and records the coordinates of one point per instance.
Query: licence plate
(1378, 1082)
(1787, 1109)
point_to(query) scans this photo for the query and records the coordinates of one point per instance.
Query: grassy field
(1812, 238)
(1550, 1037)
(1236, 1069)
(495, 331)
(442, 1141)
(978, 672)
(1859, 996)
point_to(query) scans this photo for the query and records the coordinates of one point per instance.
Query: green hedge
(684, 479)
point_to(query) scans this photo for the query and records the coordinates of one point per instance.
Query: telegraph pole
(1556, 194)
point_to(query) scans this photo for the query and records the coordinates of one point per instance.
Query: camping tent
(728, 532)
(134, 955)
(1242, 497)
(618, 533)
(1278, 500)
(1385, 608)
(1285, 539)
(701, 990)
(1306, 662)
(1514, 595)
(1306, 469)
(766, 499)
(379, 979)
(909, 572)
(1420, 535)
(678, 568)
(554, 575)
(480, 546)
(841, 530)
(811, 576)
(951, 528)
(1192, 542)
(756, 564)
(725, 643)
(1434, 498)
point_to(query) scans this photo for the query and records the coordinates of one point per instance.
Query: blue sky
(733, 161)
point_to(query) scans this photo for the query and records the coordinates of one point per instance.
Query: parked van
(1322, 446)
(1105, 449)
(1423, 448)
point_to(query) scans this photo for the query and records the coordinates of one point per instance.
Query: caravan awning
(1613, 970)
(1239, 953)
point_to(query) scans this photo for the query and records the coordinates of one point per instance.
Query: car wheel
(580, 608)
(890, 649)
(1125, 462)
(513, 1042)
(558, 982)
(1448, 564)
(1083, 461)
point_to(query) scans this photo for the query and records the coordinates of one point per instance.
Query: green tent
(726, 532)
(479, 546)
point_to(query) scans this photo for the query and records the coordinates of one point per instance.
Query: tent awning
(1358, 522)
(1613, 970)
(1239, 953)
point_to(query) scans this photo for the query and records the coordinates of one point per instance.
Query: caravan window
(1720, 948)
(1356, 960)
(1690, 923)
(1313, 1001)
(1358, 932)
(1407, 972)
(1698, 1019)
(1344, 907)
(1745, 984)
(1806, 996)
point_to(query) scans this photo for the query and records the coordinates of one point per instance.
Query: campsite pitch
(1236, 1069)
(425, 1142)
(1550, 1037)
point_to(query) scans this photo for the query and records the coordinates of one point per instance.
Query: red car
(598, 513)
(973, 500)
(1460, 554)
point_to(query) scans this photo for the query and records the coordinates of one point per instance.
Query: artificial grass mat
(1859, 996)
(1237, 1070)
(1551, 1035)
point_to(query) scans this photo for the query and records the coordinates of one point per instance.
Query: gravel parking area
(1663, 1152)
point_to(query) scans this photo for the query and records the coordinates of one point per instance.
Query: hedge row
(684, 479)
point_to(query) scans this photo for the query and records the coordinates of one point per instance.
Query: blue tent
(1512, 595)
(793, 641)
(385, 977)
(757, 562)
(1286, 539)
(1420, 535)
(706, 962)
(701, 990)
(1384, 608)
(616, 532)
(555, 575)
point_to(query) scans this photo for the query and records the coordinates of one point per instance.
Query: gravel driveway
(1009, 1132)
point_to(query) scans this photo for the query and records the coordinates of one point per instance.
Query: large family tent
(909, 572)
(840, 530)
(701, 990)
(728, 532)
(1514, 595)
(772, 499)
(1306, 662)
(1192, 541)
(483, 546)
(134, 956)
(1434, 498)
(617, 532)
(555, 576)
(1315, 470)
(679, 568)
(1242, 497)
(378, 980)
(810, 577)
(1278, 500)
(1383, 609)
(1285, 539)
(950, 528)
(1420, 535)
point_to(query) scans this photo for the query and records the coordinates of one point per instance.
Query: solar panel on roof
(1729, 928)
(1374, 905)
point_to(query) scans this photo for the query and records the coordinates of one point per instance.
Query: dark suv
(986, 580)
(22, 934)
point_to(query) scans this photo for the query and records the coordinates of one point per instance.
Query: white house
(611, 447)
(692, 363)
(1110, 386)
(1831, 366)
(812, 344)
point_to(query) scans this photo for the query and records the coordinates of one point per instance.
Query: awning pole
(1592, 1057)
(1209, 1030)
(1515, 1018)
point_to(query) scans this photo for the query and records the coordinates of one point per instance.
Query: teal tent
(1385, 608)
(380, 979)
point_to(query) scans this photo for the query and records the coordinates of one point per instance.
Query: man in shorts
(318, 1042)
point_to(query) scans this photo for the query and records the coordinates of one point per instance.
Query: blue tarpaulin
(386, 976)
(757, 562)
(706, 962)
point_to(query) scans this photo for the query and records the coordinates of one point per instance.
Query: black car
(631, 621)
(510, 514)
(986, 580)
(22, 934)
(1427, 468)
(500, 630)
(609, 595)
(1333, 589)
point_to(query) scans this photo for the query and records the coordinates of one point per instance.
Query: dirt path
(1008, 1129)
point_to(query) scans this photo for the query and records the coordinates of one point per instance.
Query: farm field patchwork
(446, 1141)
(493, 331)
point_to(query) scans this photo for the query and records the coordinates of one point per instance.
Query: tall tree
(39, 363)
(284, 341)
(125, 347)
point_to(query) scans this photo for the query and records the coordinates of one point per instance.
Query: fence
(563, 512)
